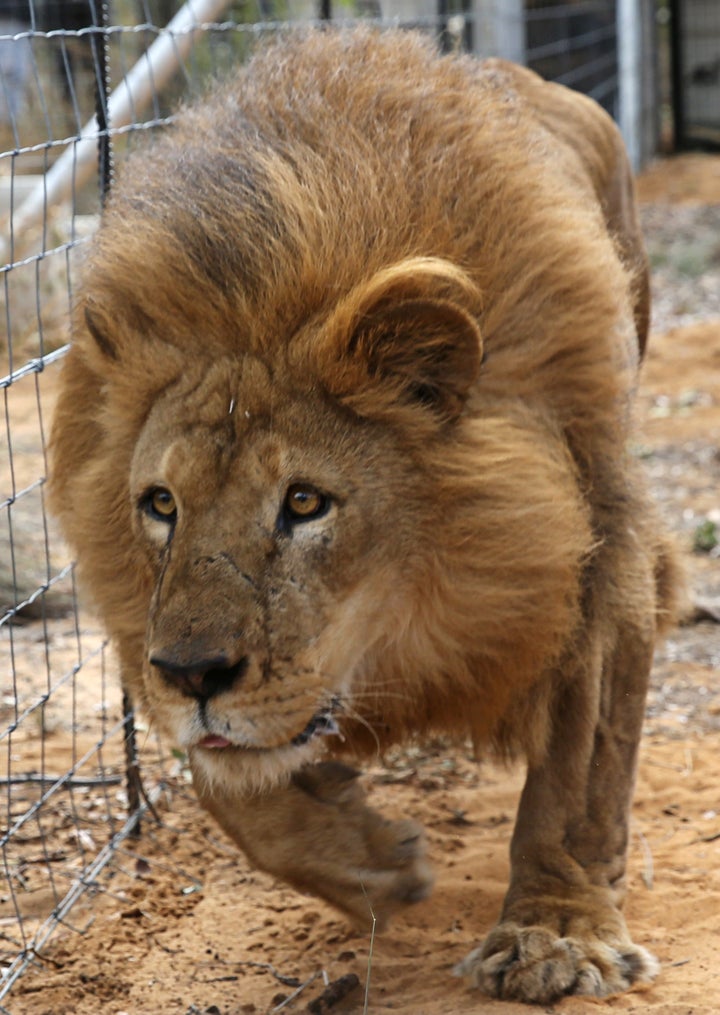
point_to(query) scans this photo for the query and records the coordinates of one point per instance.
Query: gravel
(683, 244)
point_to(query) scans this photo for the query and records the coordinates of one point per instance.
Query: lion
(342, 451)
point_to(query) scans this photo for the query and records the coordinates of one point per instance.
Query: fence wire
(66, 826)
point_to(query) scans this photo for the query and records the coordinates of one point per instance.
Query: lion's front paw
(319, 834)
(394, 871)
(368, 866)
(534, 964)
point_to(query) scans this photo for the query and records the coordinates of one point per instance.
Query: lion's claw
(534, 964)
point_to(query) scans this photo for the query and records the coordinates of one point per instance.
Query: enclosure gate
(695, 39)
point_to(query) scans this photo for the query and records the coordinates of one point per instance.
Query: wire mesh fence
(75, 76)
(576, 45)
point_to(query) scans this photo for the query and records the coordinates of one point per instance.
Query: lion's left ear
(408, 333)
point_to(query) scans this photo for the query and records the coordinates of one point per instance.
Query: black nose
(200, 678)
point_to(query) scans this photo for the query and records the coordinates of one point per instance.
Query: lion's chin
(249, 770)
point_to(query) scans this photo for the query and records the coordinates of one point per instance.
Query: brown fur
(416, 283)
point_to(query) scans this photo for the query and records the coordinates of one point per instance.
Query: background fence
(67, 823)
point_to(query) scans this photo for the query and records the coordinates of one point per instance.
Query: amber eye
(159, 503)
(303, 502)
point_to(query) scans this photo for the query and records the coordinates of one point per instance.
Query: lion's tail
(671, 594)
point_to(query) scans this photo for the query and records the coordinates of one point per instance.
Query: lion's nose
(200, 678)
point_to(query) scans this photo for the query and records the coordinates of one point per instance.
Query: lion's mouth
(322, 724)
(214, 742)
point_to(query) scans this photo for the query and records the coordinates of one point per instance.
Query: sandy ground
(181, 924)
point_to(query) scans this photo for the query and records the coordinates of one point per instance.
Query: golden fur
(410, 293)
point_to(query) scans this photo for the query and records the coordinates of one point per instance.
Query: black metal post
(100, 45)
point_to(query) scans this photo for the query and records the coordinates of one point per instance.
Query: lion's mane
(272, 204)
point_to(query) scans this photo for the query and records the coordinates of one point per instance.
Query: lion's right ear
(97, 328)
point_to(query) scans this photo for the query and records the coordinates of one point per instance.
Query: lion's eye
(160, 504)
(303, 502)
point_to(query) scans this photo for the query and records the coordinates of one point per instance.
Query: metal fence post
(629, 35)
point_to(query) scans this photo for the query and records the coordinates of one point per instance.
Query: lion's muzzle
(244, 702)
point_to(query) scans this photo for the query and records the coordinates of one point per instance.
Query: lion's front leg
(318, 834)
(562, 931)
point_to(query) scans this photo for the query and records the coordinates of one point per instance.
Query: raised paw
(372, 866)
(534, 964)
(318, 834)
(393, 873)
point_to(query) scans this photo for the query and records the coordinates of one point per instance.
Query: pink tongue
(212, 740)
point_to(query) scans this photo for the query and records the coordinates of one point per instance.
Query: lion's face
(259, 510)
(268, 512)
